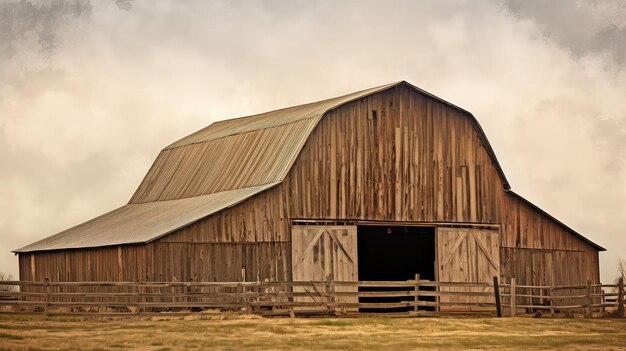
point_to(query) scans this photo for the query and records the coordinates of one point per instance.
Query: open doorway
(388, 253)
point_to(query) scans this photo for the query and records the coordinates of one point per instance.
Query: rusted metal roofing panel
(141, 223)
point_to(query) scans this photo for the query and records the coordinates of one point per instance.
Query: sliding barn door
(324, 254)
(467, 255)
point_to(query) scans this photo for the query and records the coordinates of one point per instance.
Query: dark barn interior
(394, 253)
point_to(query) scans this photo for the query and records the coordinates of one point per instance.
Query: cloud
(42, 21)
(125, 5)
(584, 27)
(79, 128)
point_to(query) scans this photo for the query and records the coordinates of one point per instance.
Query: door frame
(436, 225)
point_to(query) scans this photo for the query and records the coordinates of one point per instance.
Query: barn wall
(125, 263)
(253, 235)
(218, 261)
(537, 250)
(546, 267)
(417, 160)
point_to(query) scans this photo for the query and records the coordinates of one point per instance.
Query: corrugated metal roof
(237, 161)
(235, 153)
(141, 223)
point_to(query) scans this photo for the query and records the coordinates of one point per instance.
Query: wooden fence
(584, 298)
(400, 298)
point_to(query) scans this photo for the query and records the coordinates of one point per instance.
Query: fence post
(513, 289)
(603, 300)
(45, 308)
(329, 297)
(589, 301)
(496, 291)
(552, 299)
(136, 293)
(188, 292)
(620, 297)
(333, 297)
(244, 297)
(417, 292)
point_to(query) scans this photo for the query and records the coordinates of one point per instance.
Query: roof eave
(24, 249)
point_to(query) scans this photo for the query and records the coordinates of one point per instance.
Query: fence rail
(585, 298)
(403, 298)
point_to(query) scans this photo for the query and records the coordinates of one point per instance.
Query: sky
(91, 91)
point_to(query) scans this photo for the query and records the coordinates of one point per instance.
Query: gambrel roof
(214, 169)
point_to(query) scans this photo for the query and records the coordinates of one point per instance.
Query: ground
(71, 333)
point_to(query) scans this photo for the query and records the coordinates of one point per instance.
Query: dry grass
(37, 333)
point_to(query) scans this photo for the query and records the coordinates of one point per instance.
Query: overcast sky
(90, 91)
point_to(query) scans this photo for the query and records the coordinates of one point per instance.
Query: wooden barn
(381, 184)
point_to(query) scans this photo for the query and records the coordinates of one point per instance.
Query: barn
(381, 184)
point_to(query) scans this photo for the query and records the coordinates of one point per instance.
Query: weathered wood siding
(161, 262)
(122, 263)
(416, 160)
(525, 227)
(549, 267)
(538, 251)
(218, 261)
(393, 156)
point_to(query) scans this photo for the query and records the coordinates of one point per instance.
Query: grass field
(37, 333)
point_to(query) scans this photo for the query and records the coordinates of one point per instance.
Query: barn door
(467, 255)
(324, 254)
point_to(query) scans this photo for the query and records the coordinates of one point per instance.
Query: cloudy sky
(90, 91)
